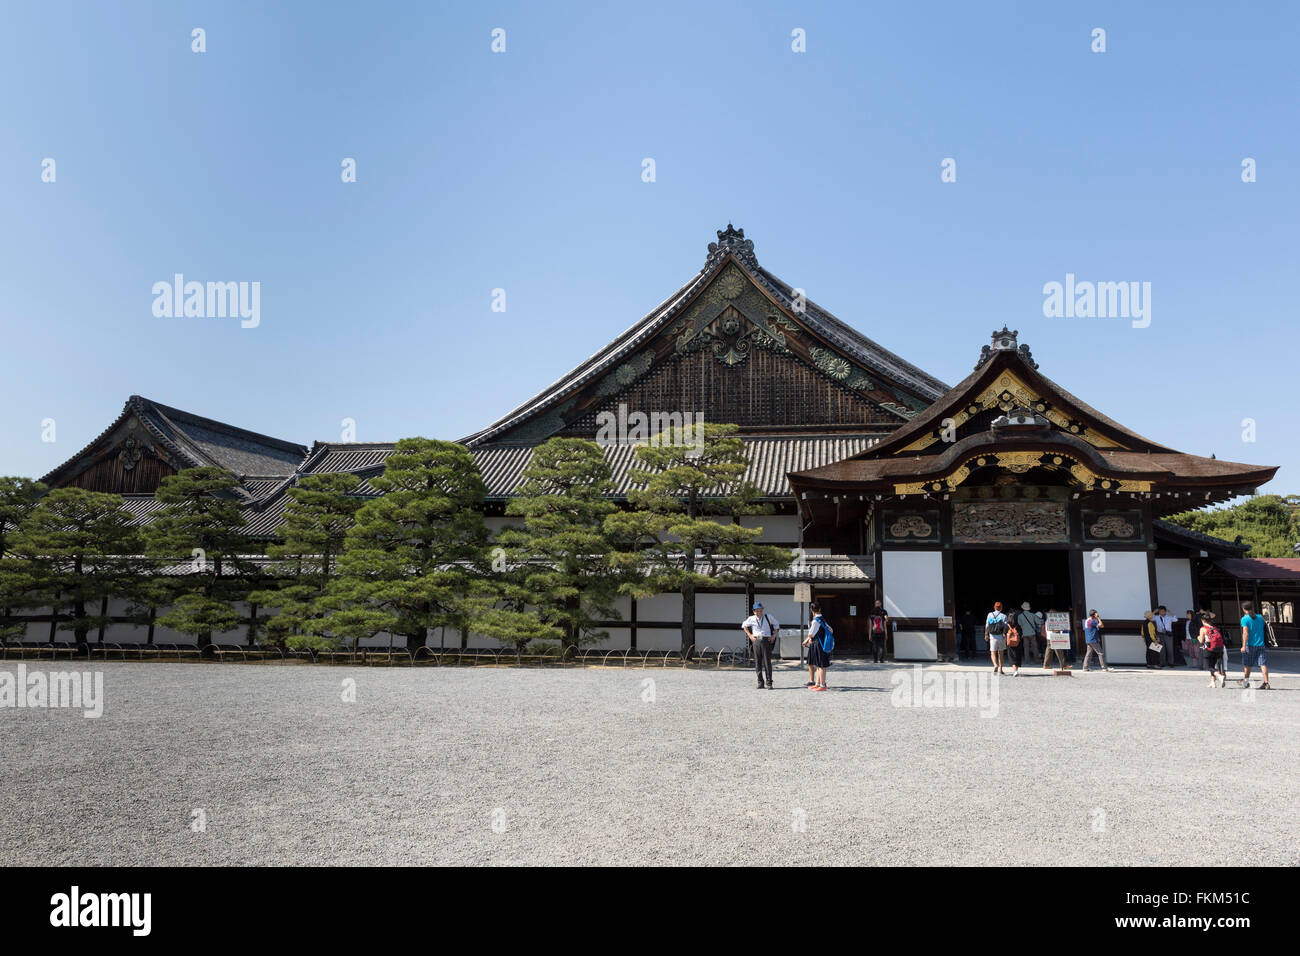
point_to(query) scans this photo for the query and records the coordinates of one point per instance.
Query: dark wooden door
(852, 637)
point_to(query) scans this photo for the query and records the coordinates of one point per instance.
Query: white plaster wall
(1122, 590)
(776, 528)
(1122, 648)
(661, 607)
(125, 634)
(1174, 584)
(916, 645)
(657, 640)
(913, 583)
(782, 607)
(620, 639)
(718, 608)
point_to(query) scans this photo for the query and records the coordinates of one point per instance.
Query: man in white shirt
(761, 628)
(1165, 623)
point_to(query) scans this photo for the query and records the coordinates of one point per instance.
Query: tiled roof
(1140, 459)
(769, 460)
(206, 441)
(1178, 534)
(194, 441)
(1262, 569)
(501, 467)
(821, 322)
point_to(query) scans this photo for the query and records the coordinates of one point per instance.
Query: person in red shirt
(1211, 639)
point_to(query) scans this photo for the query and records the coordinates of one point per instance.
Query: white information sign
(1058, 630)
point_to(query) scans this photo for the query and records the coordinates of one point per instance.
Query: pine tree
(83, 549)
(417, 557)
(317, 517)
(683, 518)
(1269, 524)
(561, 554)
(200, 525)
(18, 496)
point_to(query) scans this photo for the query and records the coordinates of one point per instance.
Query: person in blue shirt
(1254, 644)
(818, 657)
(1092, 639)
(995, 633)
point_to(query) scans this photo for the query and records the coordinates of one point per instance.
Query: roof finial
(732, 240)
(1006, 340)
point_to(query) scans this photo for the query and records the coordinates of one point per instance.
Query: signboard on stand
(1058, 630)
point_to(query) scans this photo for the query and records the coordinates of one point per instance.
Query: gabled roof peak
(1006, 340)
(732, 241)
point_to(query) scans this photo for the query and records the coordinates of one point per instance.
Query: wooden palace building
(883, 481)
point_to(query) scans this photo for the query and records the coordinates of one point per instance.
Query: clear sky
(522, 170)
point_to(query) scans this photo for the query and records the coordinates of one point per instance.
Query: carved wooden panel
(903, 525)
(1009, 521)
(1105, 526)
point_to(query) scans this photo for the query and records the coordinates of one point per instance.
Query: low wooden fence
(706, 657)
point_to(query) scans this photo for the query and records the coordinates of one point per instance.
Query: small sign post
(1058, 635)
(802, 597)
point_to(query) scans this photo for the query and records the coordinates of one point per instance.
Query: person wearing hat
(1031, 632)
(761, 627)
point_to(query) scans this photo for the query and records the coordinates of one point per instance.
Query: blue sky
(522, 171)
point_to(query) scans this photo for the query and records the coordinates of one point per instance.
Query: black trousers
(762, 659)
(878, 648)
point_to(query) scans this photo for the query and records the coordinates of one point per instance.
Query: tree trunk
(81, 634)
(688, 620)
(414, 642)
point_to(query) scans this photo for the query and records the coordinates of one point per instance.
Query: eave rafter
(1020, 462)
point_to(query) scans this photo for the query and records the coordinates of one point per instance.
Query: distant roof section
(1215, 547)
(194, 441)
(731, 246)
(209, 442)
(502, 467)
(1262, 569)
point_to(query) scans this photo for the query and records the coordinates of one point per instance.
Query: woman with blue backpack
(995, 633)
(820, 642)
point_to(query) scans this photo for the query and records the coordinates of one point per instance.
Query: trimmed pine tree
(317, 517)
(18, 496)
(683, 519)
(200, 528)
(560, 556)
(417, 558)
(81, 549)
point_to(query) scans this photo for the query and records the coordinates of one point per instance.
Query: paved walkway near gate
(545, 766)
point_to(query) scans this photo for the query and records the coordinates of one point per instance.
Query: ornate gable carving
(1008, 392)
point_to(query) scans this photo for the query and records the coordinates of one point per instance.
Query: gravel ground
(505, 766)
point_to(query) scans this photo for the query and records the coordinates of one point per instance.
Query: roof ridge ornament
(733, 241)
(1006, 340)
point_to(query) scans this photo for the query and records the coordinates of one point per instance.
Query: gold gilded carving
(911, 526)
(1006, 393)
(1009, 521)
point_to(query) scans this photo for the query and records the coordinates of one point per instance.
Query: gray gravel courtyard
(532, 766)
